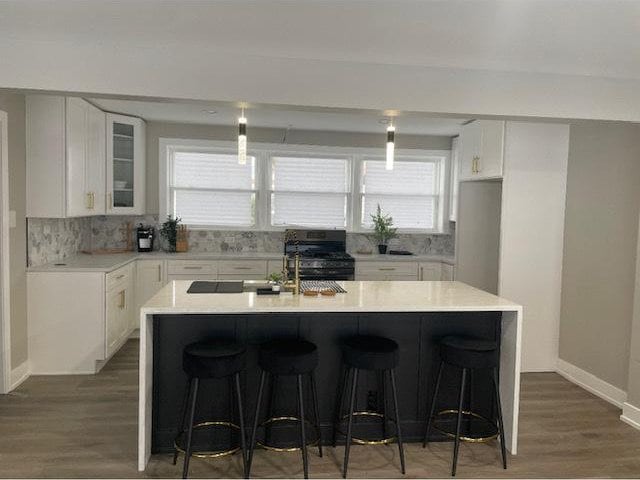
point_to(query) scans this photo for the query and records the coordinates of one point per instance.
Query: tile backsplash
(52, 240)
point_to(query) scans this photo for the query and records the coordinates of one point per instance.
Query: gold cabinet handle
(109, 201)
(159, 273)
(123, 299)
(192, 268)
(388, 269)
(88, 200)
(242, 268)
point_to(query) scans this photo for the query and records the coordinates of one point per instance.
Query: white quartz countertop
(375, 296)
(110, 262)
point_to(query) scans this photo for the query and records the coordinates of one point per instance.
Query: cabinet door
(96, 160)
(78, 199)
(125, 165)
(491, 158)
(430, 271)
(470, 144)
(115, 318)
(447, 272)
(150, 277)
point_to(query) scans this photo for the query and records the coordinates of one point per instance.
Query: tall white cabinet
(482, 150)
(82, 161)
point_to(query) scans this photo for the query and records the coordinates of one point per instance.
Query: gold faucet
(291, 285)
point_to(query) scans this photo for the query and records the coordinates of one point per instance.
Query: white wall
(532, 231)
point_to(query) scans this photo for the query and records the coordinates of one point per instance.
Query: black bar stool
(367, 352)
(216, 359)
(287, 357)
(469, 354)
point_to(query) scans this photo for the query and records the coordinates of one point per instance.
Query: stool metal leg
(316, 410)
(256, 419)
(352, 403)
(337, 412)
(396, 414)
(303, 439)
(503, 447)
(243, 442)
(192, 412)
(382, 408)
(182, 418)
(434, 400)
(273, 390)
(456, 444)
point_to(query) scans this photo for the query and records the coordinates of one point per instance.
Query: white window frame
(263, 153)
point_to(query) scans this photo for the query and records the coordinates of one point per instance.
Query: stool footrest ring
(495, 432)
(208, 453)
(284, 418)
(364, 441)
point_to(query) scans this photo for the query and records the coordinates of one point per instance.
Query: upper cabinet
(65, 157)
(72, 159)
(481, 150)
(125, 165)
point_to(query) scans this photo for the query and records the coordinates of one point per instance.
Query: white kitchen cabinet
(242, 270)
(151, 276)
(386, 270)
(65, 157)
(453, 183)
(119, 307)
(430, 271)
(447, 272)
(78, 320)
(126, 173)
(481, 150)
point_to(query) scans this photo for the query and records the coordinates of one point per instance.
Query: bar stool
(469, 354)
(286, 358)
(367, 352)
(216, 359)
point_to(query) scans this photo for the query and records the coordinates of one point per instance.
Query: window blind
(310, 192)
(409, 192)
(213, 189)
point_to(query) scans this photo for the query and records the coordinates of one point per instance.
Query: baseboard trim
(631, 415)
(591, 383)
(19, 374)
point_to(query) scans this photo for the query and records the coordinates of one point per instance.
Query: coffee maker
(144, 237)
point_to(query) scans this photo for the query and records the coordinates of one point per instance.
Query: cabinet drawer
(252, 268)
(195, 267)
(119, 277)
(387, 268)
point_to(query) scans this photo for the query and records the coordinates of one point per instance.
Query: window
(284, 186)
(410, 193)
(212, 189)
(309, 192)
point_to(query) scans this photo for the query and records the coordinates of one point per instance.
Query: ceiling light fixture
(242, 139)
(391, 133)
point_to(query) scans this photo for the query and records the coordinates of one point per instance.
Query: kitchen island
(414, 314)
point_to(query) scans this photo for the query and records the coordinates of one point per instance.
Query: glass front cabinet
(125, 165)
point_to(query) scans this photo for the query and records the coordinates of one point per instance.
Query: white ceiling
(581, 37)
(279, 117)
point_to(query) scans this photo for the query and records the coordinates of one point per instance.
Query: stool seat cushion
(469, 352)
(288, 356)
(213, 359)
(369, 352)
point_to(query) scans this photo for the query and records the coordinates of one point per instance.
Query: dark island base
(416, 333)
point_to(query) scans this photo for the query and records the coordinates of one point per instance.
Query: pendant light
(242, 139)
(391, 133)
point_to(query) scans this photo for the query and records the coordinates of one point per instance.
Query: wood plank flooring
(86, 426)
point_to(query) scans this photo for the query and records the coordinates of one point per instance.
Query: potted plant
(383, 229)
(276, 280)
(169, 233)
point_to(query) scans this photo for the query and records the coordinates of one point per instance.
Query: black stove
(322, 253)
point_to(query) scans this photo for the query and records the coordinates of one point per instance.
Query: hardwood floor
(86, 426)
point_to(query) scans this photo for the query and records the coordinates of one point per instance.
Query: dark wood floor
(86, 426)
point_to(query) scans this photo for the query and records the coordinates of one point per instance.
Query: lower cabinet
(151, 276)
(119, 308)
(386, 270)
